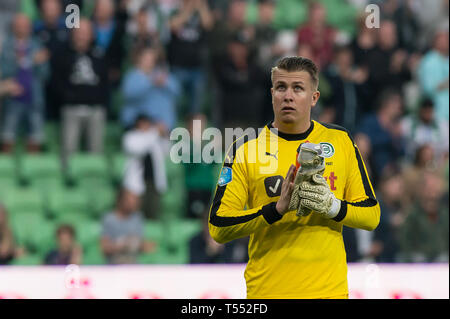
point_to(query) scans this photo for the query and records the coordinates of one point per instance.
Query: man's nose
(288, 96)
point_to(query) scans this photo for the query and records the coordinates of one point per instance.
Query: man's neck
(292, 128)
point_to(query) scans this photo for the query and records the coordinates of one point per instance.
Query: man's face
(293, 95)
(65, 241)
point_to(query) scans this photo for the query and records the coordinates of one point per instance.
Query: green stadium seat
(23, 199)
(62, 201)
(32, 231)
(93, 255)
(43, 170)
(118, 164)
(8, 171)
(101, 201)
(159, 256)
(180, 232)
(28, 260)
(114, 132)
(88, 233)
(52, 138)
(89, 170)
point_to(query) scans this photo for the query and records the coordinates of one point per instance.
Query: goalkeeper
(294, 216)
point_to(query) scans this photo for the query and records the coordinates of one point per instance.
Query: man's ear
(315, 98)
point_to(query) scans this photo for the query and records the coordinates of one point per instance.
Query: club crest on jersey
(327, 149)
(226, 175)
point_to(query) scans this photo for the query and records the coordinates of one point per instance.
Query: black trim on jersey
(270, 213)
(291, 137)
(371, 201)
(221, 221)
(342, 212)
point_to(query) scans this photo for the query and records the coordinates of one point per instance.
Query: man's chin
(288, 119)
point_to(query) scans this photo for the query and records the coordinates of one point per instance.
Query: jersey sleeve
(359, 207)
(228, 218)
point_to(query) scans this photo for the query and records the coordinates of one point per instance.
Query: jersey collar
(291, 137)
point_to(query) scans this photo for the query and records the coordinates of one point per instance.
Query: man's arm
(227, 219)
(359, 207)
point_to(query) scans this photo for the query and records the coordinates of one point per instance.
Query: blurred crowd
(174, 61)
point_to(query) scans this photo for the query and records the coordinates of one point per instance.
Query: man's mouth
(288, 108)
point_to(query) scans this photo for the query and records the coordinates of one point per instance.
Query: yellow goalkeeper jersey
(290, 256)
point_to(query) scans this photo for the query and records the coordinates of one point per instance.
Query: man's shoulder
(334, 129)
(335, 133)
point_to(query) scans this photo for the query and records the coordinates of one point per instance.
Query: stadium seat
(32, 231)
(118, 166)
(101, 201)
(28, 260)
(8, 171)
(180, 232)
(88, 234)
(23, 199)
(42, 170)
(93, 255)
(52, 138)
(63, 201)
(89, 170)
(113, 137)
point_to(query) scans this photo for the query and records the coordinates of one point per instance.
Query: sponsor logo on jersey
(327, 149)
(272, 185)
(226, 176)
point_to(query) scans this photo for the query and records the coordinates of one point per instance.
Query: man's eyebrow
(283, 82)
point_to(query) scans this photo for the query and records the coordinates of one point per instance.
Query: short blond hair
(298, 63)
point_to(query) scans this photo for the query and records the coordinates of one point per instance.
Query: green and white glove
(315, 194)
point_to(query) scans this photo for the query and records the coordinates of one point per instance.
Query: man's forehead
(294, 76)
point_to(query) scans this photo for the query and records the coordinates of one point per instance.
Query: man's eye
(281, 87)
(298, 88)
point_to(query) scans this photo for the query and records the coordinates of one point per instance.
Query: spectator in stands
(391, 190)
(424, 234)
(53, 34)
(433, 74)
(403, 15)
(122, 238)
(363, 43)
(319, 35)
(240, 81)
(51, 29)
(389, 66)
(267, 51)
(380, 133)
(24, 61)
(204, 250)
(423, 161)
(430, 18)
(347, 86)
(266, 34)
(234, 24)
(8, 249)
(8, 9)
(187, 50)
(425, 128)
(81, 78)
(145, 170)
(149, 88)
(68, 251)
(145, 32)
(109, 27)
(199, 176)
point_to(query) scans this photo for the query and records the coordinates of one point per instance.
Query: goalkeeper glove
(309, 162)
(316, 195)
